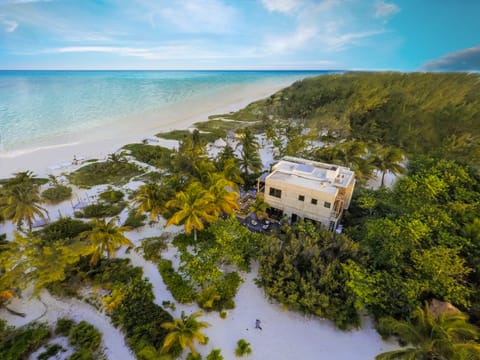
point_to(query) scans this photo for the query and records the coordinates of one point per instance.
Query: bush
(57, 194)
(19, 343)
(180, 289)
(63, 229)
(101, 210)
(135, 220)
(64, 326)
(82, 354)
(112, 196)
(85, 335)
(223, 314)
(151, 154)
(153, 246)
(191, 356)
(215, 354)
(51, 351)
(117, 172)
(243, 348)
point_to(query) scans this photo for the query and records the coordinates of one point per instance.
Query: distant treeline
(422, 113)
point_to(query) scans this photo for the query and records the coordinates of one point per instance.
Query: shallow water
(44, 108)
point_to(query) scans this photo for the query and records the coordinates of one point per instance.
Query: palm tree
(448, 336)
(106, 237)
(20, 203)
(259, 207)
(232, 172)
(224, 194)
(249, 156)
(184, 331)
(388, 159)
(352, 152)
(150, 199)
(194, 206)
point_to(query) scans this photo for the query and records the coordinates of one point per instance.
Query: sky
(404, 35)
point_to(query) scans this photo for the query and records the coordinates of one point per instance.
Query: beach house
(304, 189)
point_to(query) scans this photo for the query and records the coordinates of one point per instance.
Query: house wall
(290, 204)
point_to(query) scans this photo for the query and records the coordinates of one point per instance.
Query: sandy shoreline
(100, 142)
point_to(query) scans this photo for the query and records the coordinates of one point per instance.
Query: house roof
(312, 174)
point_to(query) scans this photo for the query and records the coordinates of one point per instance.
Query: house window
(275, 192)
(314, 201)
(327, 204)
(301, 197)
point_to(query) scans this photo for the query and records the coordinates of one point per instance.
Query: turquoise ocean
(37, 106)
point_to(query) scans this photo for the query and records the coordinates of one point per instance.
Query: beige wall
(290, 204)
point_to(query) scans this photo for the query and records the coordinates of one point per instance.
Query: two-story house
(300, 188)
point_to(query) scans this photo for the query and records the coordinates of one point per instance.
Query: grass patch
(107, 172)
(180, 135)
(154, 155)
(219, 126)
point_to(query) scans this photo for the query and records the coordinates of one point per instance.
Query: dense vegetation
(421, 113)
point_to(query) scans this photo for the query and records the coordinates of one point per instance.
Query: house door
(294, 218)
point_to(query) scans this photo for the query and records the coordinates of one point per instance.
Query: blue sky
(240, 34)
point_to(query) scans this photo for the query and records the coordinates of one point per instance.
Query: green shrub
(191, 356)
(153, 246)
(101, 210)
(50, 351)
(112, 196)
(215, 354)
(57, 194)
(154, 155)
(223, 314)
(117, 172)
(180, 289)
(64, 325)
(19, 343)
(85, 335)
(134, 219)
(82, 354)
(243, 348)
(63, 229)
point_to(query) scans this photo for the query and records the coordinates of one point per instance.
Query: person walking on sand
(257, 324)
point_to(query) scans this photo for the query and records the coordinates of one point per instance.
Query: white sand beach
(58, 153)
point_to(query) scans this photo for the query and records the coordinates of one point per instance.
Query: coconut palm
(350, 153)
(259, 207)
(194, 206)
(231, 171)
(224, 194)
(249, 156)
(448, 336)
(388, 159)
(185, 331)
(150, 199)
(106, 237)
(20, 203)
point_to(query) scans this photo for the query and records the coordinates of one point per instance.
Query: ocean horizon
(45, 108)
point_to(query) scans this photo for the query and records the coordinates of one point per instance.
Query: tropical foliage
(429, 337)
(185, 331)
(20, 200)
(106, 237)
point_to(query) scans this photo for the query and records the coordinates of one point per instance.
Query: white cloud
(166, 52)
(284, 6)
(383, 9)
(328, 26)
(189, 16)
(10, 26)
